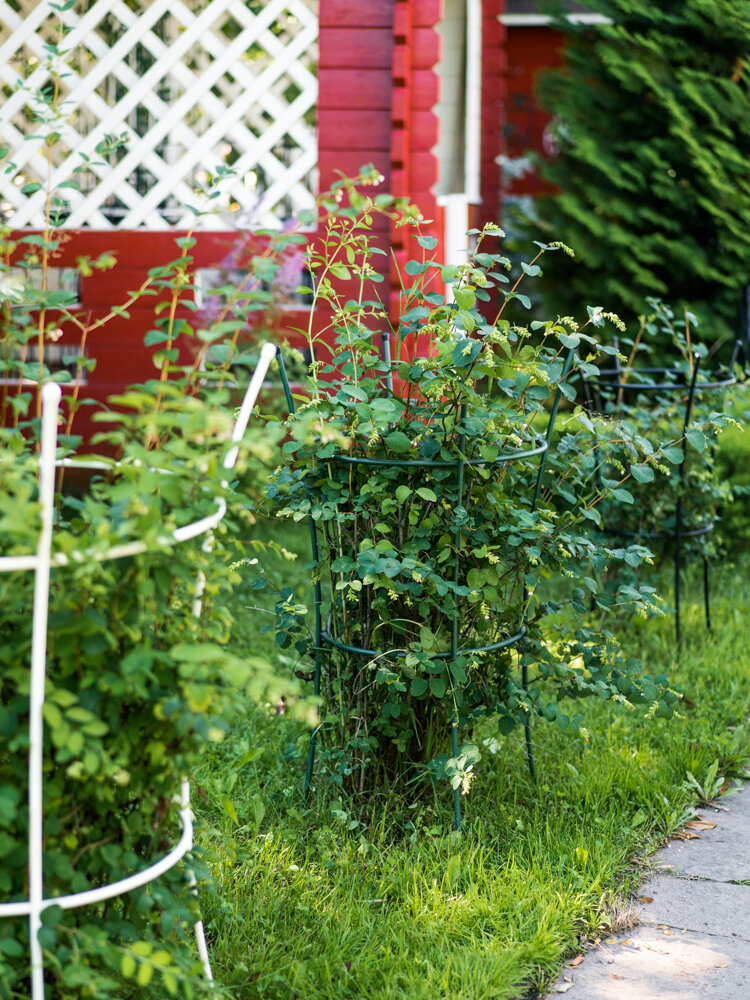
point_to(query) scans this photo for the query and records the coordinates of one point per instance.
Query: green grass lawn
(312, 903)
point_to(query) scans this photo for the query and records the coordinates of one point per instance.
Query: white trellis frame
(41, 563)
(188, 84)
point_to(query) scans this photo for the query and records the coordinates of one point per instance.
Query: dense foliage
(651, 184)
(684, 406)
(419, 553)
(137, 686)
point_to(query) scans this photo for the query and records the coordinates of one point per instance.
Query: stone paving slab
(693, 938)
(704, 907)
(722, 854)
(656, 965)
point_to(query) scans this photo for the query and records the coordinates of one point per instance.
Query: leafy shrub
(416, 562)
(659, 404)
(137, 686)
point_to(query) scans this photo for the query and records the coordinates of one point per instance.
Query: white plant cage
(41, 563)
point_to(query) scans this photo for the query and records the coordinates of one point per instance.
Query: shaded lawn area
(310, 902)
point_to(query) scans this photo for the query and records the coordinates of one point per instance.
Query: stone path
(693, 939)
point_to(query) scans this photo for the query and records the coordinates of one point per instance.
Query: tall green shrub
(652, 177)
(137, 686)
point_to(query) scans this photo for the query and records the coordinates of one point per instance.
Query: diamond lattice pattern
(191, 83)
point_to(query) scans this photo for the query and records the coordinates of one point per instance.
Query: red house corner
(419, 88)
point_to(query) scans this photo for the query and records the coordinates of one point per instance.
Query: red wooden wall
(494, 96)
(528, 50)
(117, 347)
(378, 88)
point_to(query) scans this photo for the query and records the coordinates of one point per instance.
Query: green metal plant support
(651, 381)
(323, 635)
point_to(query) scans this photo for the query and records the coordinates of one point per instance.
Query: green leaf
(427, 494)
(403, 493)
(437, 686)
(467, 321)
(466, 351)
(229, 808)
(696, 438)
(673, 455)
(397, 441)
(427, 242)
(427, 639)
(170, 983)
(354, 390)
(155, 337)
(418, 687)
(145, 974)
(624, 496)
(465, 297)
(128, 965)
(453, 871)
(642, 473)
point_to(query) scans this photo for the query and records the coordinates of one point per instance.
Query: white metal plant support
(42, 562)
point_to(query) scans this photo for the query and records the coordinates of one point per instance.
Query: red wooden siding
(414, 127)
(529, 50)
(117, 347)
(493, 102)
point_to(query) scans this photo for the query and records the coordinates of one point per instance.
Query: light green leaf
(128, 965)
(397, 441)
(642, 473)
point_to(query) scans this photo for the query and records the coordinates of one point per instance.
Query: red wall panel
(529, 51)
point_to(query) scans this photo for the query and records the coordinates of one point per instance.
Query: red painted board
(355, 88)
(350, 130)
(132, 248)
(401, 64)
(332, 163)
(357, 47)
(425, 89)
(426, 13)
(529, 50)
(426, 47)
(424, 170)
(425, 130)
(357, 13)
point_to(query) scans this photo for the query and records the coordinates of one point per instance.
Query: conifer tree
(652, 119)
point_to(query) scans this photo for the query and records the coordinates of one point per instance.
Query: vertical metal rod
(537, 491)
(387, 359)
(51, 394)
(267, 354)
(551, 427)
(454, 623)
(736, 351)
(317, 594)
(706, 593)
(677, 551)
(678, 512)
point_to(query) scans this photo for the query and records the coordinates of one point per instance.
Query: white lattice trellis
(191, 83)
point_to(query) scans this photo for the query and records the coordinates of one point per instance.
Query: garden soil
(692, 933)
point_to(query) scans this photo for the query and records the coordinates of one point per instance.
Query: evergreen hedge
(652, 179)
